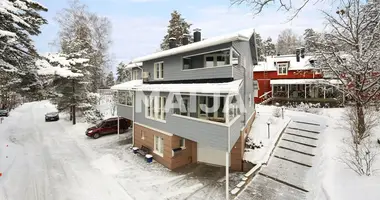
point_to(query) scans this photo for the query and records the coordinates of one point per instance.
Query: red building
(286, 78)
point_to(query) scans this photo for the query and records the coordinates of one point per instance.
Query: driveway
(285, 176)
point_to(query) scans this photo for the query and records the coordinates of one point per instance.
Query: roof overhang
(242, 35)
(230, 88)
(133, 65)
(305, 81)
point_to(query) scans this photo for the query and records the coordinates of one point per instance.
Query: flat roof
(305, 81)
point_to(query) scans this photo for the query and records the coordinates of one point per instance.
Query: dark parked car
(4, 113)
(108, 126)
(52, 116)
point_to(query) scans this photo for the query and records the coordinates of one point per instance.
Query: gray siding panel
(235, 131)
(173, 67)
(244, 49)
(125, 111)
(209, 134)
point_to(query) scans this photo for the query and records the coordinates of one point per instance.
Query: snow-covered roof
(227, 87)
(241, 35)
(304, 81)
(133, 65)
(130, 85)
(269, 65)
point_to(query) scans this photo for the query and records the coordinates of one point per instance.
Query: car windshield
(99, 124)
(52, 113)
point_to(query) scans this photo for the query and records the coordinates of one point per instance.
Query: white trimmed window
(159, 70)
(282, 68)
(125, 98)
(214, 60)
(233, 109)
(134, 74)
(159, 145)
(182, 143)
(155, 108)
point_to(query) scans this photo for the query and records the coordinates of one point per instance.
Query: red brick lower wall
(237, 151)
(144, 136)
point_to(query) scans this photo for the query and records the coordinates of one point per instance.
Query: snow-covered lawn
(259, 134)
(55, 160)
(332, 178)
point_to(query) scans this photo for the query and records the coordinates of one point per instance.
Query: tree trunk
(361, 122)
(71, 113)
(74, 118)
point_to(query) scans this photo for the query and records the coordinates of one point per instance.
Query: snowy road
(40, 161)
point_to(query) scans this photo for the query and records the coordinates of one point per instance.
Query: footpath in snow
(261, 144)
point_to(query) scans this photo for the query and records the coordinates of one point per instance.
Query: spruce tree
(19, 21)
(177, 28)
(110, 80)
(269, 48)
(122, 74)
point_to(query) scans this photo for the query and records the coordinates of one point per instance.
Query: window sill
(200, 120)
(159, 120)
(158, 79)
(119, 104)
(159, 154)
(206, 68)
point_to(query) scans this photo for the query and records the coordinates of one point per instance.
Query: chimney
(303, 52)
(298, 51)
(172, 43)
(185, 39)
(197, 35)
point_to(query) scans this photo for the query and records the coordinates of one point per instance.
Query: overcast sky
(139, 25)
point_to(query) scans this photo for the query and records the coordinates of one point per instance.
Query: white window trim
(153, 102)
(161, 70)
(184, 143)
(286, 65)
(134, 74)
(200, 120)
(161, 144)
(215, 56)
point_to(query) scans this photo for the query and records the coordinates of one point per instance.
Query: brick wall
(144, 136)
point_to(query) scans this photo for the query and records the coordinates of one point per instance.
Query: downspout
(133, 118)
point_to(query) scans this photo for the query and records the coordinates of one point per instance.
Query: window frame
(282, 65)
(182, 143)
(134, 74)
(158, 145)
(160, 67)
(215, 59)
(155, 108)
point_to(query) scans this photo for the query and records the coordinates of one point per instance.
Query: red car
(108, 126)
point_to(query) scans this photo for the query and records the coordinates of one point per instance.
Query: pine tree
(308, 40)
(122, 74)
(19, 20)
(268, 47)
(259, 43)
(177, 28)
(110, 80)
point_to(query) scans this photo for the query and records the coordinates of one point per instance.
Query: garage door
(209, 155)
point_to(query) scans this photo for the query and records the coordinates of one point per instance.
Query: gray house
(193, 103)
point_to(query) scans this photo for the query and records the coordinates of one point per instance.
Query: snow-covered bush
(307, 107)
(276, 112)
(92, 115)
(250, 144)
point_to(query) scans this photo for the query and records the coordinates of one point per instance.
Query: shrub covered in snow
(307, 107)
(276, 112)
(250, 144)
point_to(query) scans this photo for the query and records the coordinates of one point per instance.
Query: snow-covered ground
(259, 134)
(56, 161)
(332, 178)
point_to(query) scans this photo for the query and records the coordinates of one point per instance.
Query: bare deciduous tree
(351, 52)
(291, 6)
(287, 42)
(360, 158)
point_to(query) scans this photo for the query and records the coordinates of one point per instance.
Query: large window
(155, 107)
(207, 110)
(134, 75)
(218, 59)
(159, 145)
(126, 98)
(159, 70)
(233, 109)
(212, 59)
(282, 68)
